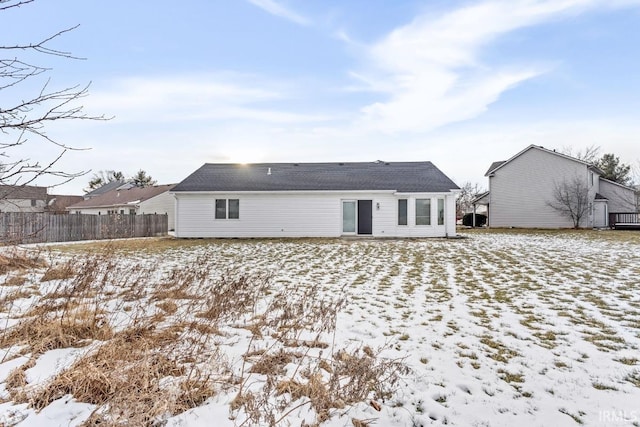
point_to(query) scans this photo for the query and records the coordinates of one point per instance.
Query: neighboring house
(23, 198)
(58, 203)
(129, 200)
(521, 189)
(382, 199)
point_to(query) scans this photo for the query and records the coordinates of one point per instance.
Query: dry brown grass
(20, 260)
(152, 342)
(60, 272)
(16, 382)
(39, 334)
(128, 376)
(14, 281)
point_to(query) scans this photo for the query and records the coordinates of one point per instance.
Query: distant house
(34, 199)
(58, 203)
(382, 199)
(129, 200)
(23, 198)
(522, 188)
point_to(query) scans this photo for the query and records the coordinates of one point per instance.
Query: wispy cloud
(278, 9)
(182, 98)
(431, 70)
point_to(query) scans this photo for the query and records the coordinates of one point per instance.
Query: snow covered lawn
(496, 329)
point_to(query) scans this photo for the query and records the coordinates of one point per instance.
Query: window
(221, 208)
(132, 211)
(402, 212)
(232, 206)
(423, 211)
(591, 178)
(33, 202)
(440, 211)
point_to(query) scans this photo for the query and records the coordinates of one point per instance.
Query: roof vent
(341, 164)
(295, 164)
(269, 171)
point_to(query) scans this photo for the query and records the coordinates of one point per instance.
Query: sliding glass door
(349, 216)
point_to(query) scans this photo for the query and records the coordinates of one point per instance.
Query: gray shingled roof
(105, 188)
(494, 165)
(396, 176)
(23, 192)
(122, 197)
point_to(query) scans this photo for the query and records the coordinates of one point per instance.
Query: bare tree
(588, 154)
(468, 192)
(571, 199)
(23, 121)
(101, 178)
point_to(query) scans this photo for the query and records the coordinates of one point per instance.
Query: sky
(458, 83)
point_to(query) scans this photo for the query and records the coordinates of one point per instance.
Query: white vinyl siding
(162, 204)
(303, 215)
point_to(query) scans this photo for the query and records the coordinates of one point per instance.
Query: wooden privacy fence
(23, 227)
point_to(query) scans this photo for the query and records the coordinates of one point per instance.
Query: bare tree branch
(25, 121)
(571, 199)
(17, 4)
(589, 154)
(41, 47)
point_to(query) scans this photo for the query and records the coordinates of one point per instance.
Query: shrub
(467, 220)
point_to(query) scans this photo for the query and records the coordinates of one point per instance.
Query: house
(523, 188)
(381, 199)
(58, 203)
(33, 199)
(23, 198)
(129, 200)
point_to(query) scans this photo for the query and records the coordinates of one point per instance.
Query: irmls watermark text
(622, 417)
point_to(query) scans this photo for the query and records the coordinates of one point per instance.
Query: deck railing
(624, 220)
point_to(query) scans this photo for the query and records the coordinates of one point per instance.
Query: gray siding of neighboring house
(522, 188)
(620, 199)
(163, 203)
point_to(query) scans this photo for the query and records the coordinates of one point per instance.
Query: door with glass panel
(357, 217)
(349, 217)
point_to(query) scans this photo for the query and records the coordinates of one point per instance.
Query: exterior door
(600, 214)
(365, 221)
(349, 216)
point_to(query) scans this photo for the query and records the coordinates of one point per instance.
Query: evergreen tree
(614, 170)
(142, 179)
